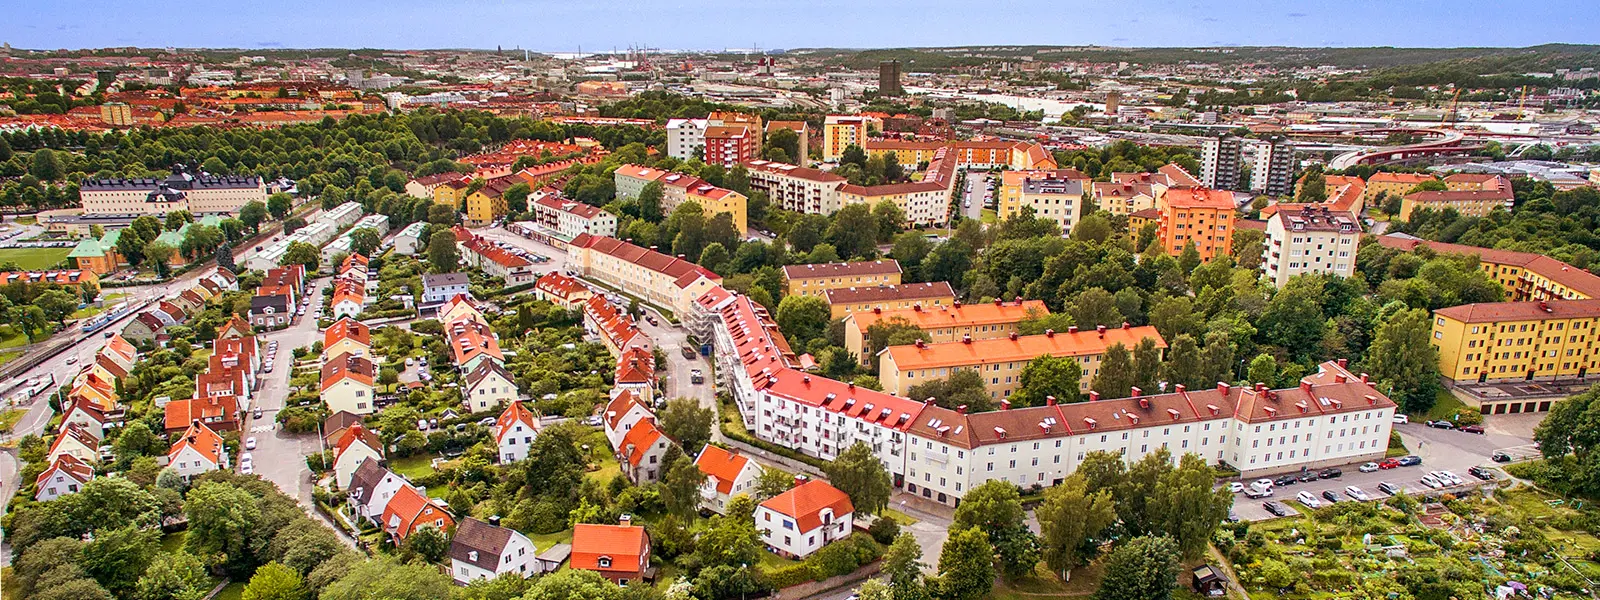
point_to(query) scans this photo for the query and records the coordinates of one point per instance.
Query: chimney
(1339, 377)
(1371, 400)
(1018, 300)
(1125, 325)
(1094, 396)
(999, 302)
(1049, 400)
(917, 307)
(921, 344)
(1144, 401)
(851, 386)
(1136, 391)
(1072, 329)
(1213, 408)
(928, 402)
(877, 310)
(625, 520)
(1260, 387)
(1013, 336)
(957, 304)
(1305, 386)
(966, 338)
(1223, 388)
(1364, 378)
(1050, 333)
(1005, 405)
(1179, 388)
(1344, 362)
(800, 479)
(1100, 329)
(494, 520)
(961, 410)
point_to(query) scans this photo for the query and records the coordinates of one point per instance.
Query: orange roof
(356, 433)
(627, 547)
(956, 315)
(345, 289)
(636, 365)
(721, 466)
(407, 508)
(203, 440)
(1491, 312)
(347, 366)
(1177, 176)
(1199, 198)
(122, 348)
(640, 438)
(620, 405)
(469, 338)
(514, 413)
(804, 503)
(559, 285)
(180, 414)
(347, 328)
(1021, 348)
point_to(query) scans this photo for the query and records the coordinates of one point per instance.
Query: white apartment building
(567, 219)
(1310, 239)
(686, 137)
(199, 194)
(799, 189)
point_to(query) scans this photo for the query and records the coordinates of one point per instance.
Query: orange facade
(1199, 215)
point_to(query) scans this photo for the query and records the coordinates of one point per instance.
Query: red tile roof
(513, 414)
(347, 366)
(722, 466)
(627, 547)
(1490, 312)
(842, 269)
(804, 503)
(203, 440)
(347, 328)
(683, 271)
(639, 440)
(66, 464)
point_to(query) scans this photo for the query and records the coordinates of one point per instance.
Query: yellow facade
(906, 154)
(448, 195)
(840, 132)
(1518, 341)
(1476, 207)
(724, 201)
(815, 286)
(483, 208)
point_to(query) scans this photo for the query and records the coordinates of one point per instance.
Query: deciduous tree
(1071, 520)
(858, 473)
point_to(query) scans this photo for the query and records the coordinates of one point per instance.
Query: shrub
(884, 530)
(790, 576)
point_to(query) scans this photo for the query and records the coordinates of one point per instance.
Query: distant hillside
(1479, 60)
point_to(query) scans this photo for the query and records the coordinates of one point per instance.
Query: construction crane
(1523, 102)
(1450, 115)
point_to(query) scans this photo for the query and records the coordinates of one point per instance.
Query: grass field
(234, 591)
(9, 418)
(1445, 405)
(414, 466)
(34, 259)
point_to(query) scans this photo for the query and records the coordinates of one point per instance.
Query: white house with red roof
(488, 386)
(349, 296)
(728, 474)
(802, 520)
(624, 411)
(76, 442)
(87, 416)
(514, 431)
(198, 451)
(356, 445)
(636, 372)
(65, 475)
(641, 451)
(410, 510)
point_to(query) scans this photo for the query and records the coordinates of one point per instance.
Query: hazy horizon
(603, 25)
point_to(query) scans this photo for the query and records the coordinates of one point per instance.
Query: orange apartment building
(1200, 215)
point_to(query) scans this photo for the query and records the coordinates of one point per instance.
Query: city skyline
(559, 26)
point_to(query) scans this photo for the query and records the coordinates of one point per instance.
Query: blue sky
(546, 25)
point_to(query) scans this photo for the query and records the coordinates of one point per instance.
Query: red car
(1388, 463)
(1478, 429)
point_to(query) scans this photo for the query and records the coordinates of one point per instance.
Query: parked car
(1388, 488)
(1409, 461)
(1454, 479)
(1356, 493)
(250, 443)
(1400, 419)
(1277, 510)
(486, 421)
(1331, 496)
(1284, 480)
(1431, 482)
(1254, 493)
(1441, 424)
(1308, 499)
(1262, 484)
(256, 413)
(72, 360)
(1308, 476)
(1481, 473)
(1235, 487)
(1500, 457)
(247, 469)
(696, 377)
(245, 460)
(1329, 473)
(1369, 467)
(1478, 429)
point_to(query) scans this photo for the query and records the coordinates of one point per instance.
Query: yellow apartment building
(814, 280)
(1518, 341)
(1001, 360)
(944, 323)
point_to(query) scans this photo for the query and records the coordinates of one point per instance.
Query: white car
(72, 360)
(1262, 484)
(1308, 499)
(1357, 493)
(1401, 419)
(250, 443)
(1235, 487)
(245, 460)
(1431, 482)
(1370, 467)
(247, 469)
(1443, 475)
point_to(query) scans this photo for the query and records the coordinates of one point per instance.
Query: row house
(561, 290)
(347, 384)
(558, 219)
(492, 259)
(844, 301)
(471, 343)
(817, 279)
(347, 336)
(349, 298)
(666, 281)
(65, 475)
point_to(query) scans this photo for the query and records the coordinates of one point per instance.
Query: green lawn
(34, 259)
(414, 466)
(234, 591)
(173, 542)
(899, 517)
(92, 310)
(6, 357)
(26, 219)
(1445, 405)
(9, 418)
(990, 217)
(545, 540)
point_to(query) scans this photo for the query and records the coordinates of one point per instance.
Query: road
(976, 196)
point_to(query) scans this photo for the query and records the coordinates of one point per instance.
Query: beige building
(669, 282)
(1470, 203)
(1011, 187)
(1309, 239)
(814, 280)
(843, 301)
(1002, 360)
(944, 324)
(198, 194)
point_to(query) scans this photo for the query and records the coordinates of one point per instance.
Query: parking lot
(1440, 450)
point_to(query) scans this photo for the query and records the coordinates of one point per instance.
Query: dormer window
(605, 562)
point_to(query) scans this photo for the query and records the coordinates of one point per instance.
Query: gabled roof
(805, 502)
(347, 366)
(842, 269)
(477, 538)
(347, 328)
(182, 413)
(68, 465)
(366, 479)
(513, 414)
(956, 315)
(619, 407)
(120, 346)
(639, 440)
(203, 440)
(561, 286)
(405, 508)
(721, 466)
(74, 432)
(682, 271)
(625, 545)
(636, 365)
(357, 434)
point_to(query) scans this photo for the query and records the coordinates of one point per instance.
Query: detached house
(347, 384)
(622, 413)
(620, 553)
(65, 475)
(347, 336)
(641, 451)
(514, 432)
(349, 296)
(76, 442)
(410, 510)
(356, 446)
(480, 550)
(802, 520)
(88, 417)
(371, 488)
(728, 474)
(199, 450)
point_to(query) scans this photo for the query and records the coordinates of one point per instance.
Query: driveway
(976, 196)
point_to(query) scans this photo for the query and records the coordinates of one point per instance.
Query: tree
(430, 544)
(364, 240)
(963, 388)
(1189, 258)
(177, 219)
(57, 304)
(387, 579)
(293, 224)
(966, 566)
(1092, 228)
(650, 202)
(859, 474)
(902, 563)
(301, 253)
(1187, 505)
(1146, 364)
(771, 483)
(803, 318)
(160, 254)
(1116, 376)
(1184, 362)
(1045, 376)
(173, 576)
(1072, 520)
(1404, 362)
(137, 440)
(1096, 306)
(995, 507)
(221, 517)
(1263, 369)
(225, 258)
(680, 483)
(117, 557)
(279, 204)
(1313, 186)
(273, 581)
(854, 232)
(516, 197)
(45, 165)
(715, 257)
(1143, 568)
(688, 423)
(443, 256)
